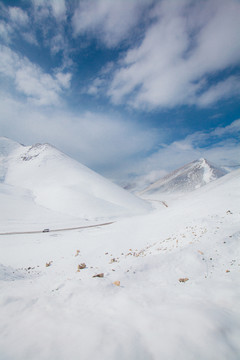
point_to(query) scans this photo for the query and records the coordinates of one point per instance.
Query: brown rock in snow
(183, 279)
(99, 275)
(82, 266)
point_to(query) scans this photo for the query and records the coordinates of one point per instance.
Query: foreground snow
(56, 312)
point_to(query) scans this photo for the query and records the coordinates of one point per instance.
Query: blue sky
(132, 89)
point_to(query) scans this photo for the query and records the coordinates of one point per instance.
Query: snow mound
(63, 185)
(185, 179)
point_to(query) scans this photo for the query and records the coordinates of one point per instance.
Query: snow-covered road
(55, 230)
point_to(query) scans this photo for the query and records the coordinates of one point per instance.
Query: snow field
(51, 309)
(56, 312)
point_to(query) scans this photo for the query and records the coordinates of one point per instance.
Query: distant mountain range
(44, 176)
(185, 179)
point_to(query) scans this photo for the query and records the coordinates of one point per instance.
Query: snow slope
(57, 312)
(63, 185)
(188, 178)
(19, 212)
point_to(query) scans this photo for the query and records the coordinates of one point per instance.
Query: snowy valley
(161, 281)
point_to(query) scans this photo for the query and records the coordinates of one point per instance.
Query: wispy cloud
(5, 32)
(109, 21)
(222, 90)
(59, 9)
(45, 9)
(50, 21)
(43, 17)
(16, 22)
(18, 16)
(29, 79)
(187, 42)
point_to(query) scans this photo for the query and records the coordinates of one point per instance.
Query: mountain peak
(187, 178)
(203, 161)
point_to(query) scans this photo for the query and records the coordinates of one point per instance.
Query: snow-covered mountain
(185, 179)
(59, 183)
(168, 284)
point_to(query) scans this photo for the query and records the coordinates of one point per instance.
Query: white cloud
(64, 79)
(110, 21)
(95, 87)
(50, 18)
(187, 42)
(18, 16)
(39, 87)
(47, 8)
(233, 128)
(8, 61)
(16, 22)
(57, 43)
(58, 9)
(29, 79)
(223, 89)
(30, 37)
(5, 32)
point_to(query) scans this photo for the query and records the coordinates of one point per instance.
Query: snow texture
(51, 309)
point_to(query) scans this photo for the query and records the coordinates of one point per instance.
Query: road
(55, 230)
